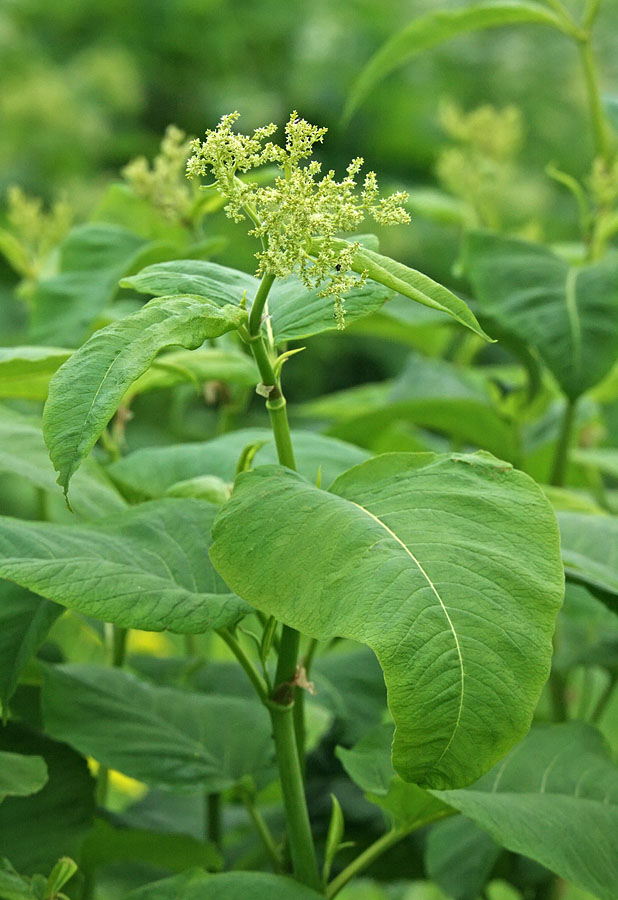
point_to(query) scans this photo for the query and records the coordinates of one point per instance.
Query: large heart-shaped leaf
(196, 885)
(295, 312)
(24, 622)
(561, 310)
(411, 283)
(435, 28)
(447, 566)
(143, 568)
(88, 388)
(167, 738)
(21, 775)
(150, 471)
(553, 798)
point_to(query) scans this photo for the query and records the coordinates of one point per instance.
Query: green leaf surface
(25, 371)
(92, 259)
(24, 622)
(437, 27)
(605, 459)
(590, 550)
(168, 738)
(295, 312)
(459, 857)
(21, 775)
(144, 568)
(36, 830)
(107, 843)
(369, 766)
(196, 366)
(87, 390)
(410, 283)
(554, 798)
(561, 310)
(196, 885)
(448, 567)
(13, 886)
(151, 471)
(23, 454)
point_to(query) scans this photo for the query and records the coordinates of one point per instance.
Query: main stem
(561, 458)
(599, 124)
(281, 702)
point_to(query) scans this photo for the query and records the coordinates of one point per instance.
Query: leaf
(412, 284)
(23, 454)
(196, 885)
(21, 775)
(295, 311)
(369, 766)
(167, 738)
(459, 857)
(605, 459)
(351, 685)
(107, 843)
(560, 310)
(25, 371)
(432, 562)
(203, 364)
(24, 622)
(92, 259)
(87, 390)
(554, 798)
(143, 568)
(57, 817)
(12, 885)
(436, 28)
(590, 550)
(151, 471)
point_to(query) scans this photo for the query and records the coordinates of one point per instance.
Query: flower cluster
(35, 231)
(163, 184)
(301, 206)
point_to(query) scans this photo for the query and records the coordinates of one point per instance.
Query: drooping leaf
(196, 885)
(24, 622)
(151, 471)
(144, 568)
(436, 28)
(23, 454)
(410, 283)
(590, 550)
(167, 738)
(92, 259)
(87, 390)
(447, 566)
(561, 310)
(36, 830)
(554, 798)
(21, 775)
(25, 371)
(459, 857)
(107, 843)
(295, 311)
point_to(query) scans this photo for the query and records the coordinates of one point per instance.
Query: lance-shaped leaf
(21, 775)
(411, 283)
(561, 310)
(590, 551)
(144, 568)
(295, 311)
(196, 885)
(447, 566)
(25, 371)
(88, 388)
(167, 738)
(433, 29)
(554, 798)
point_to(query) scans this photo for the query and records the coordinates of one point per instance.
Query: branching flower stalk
(287, 217)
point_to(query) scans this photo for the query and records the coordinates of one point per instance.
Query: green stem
(365, 859)
(263, 831)
(252, 673)
(561, 458)
(257, 308)
(302, 849)
(212, 818)
(116, 644)
(600, 130)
